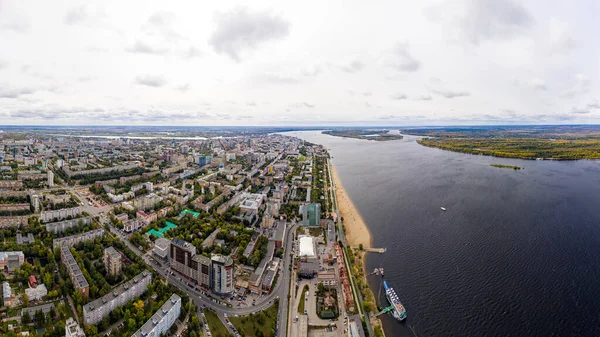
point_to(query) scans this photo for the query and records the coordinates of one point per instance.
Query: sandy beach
(357, 231)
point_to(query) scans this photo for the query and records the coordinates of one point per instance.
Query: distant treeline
(524, 148)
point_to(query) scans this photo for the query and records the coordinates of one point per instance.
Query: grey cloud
(302, 105)
(594, 105)
(161, 18)
(192, 52)
(580, 111)
(450, 93)
(399, 96)
(76, 15)
(426, 98)
(15, 26)
(240, 30)
(367, 93)
(144, 48)
(3, 65)
(251, 104)
(492, 19)
(402, 60)
(312, 71)
(184, 87)
(353, 66)
(15, 93)
(224, 116)
(538, 84)
(160, 22)
(151, 81)
(579, 86)
(278, 78)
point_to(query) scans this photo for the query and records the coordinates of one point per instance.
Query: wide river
(517, 253)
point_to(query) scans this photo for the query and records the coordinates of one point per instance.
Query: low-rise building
(72, 329)
(146, 218)
(7, 294)
(10, 261)
(23, 240)
(161, 248)
(36, 293)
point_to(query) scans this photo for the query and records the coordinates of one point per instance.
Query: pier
(372, 250)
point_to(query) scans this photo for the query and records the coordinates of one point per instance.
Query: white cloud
(504, 61)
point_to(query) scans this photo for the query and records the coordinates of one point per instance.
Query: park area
(261, 324)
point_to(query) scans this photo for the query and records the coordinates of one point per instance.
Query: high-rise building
(95, 311)
(35, 202)
(50, 178)
(162, 320)
(311, 215)
(183, 259)
(112, 261)
(204, 160)
(222, 274)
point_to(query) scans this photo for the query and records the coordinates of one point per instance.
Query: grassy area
(525, 148)
(315, 231)
(382, 135)
(507, 166)
(217, 328)
(302, 299)
(258, 325)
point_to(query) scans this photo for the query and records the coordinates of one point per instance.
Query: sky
(331, 63)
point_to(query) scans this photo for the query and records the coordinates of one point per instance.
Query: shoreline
(355, 228)
(356, 232)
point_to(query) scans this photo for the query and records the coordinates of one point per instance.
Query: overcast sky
(299, 63)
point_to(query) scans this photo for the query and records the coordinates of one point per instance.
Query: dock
(372, 250)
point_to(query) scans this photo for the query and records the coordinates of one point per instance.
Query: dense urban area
(149, 236)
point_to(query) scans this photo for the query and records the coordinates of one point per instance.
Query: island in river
(524, 142)
(370, 134)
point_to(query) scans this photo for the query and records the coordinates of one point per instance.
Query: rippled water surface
(517, 253)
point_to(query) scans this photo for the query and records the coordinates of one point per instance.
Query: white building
(95, 311)
(35, 202)
(50, 178)
(60, 214)
(306, 246)
(161, 247)
(36, 294)
(7, 294)
(162, 320)
(72, 329)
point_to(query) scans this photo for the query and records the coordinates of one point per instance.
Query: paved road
(280, 291)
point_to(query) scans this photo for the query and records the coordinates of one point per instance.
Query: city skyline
(283, 64)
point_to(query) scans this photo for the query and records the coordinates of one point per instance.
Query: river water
(517, 253)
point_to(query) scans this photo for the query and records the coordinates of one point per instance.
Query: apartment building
(96, 310)
(79, 281)
(60, 214)
(70, 241)
(184, 260)
(61, 226)
(162, 320)
(112, 261)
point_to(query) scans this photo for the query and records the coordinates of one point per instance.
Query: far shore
(356, 229)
